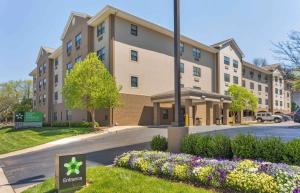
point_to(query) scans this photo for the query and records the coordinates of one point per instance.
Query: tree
(294, 107)
(89, 86)
(289, 51)
(260, 62)
(14, 96)
(241, 99)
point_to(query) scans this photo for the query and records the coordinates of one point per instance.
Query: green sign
(28, 119)
(70, 172)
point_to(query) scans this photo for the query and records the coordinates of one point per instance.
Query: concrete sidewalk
(67, 140)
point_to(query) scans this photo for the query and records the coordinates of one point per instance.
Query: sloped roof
(78, 14)
(253, 66)
(94, 21)
(231, 41)
(272, 67)
(46, 49)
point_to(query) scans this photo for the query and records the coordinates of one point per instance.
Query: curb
(5, 187)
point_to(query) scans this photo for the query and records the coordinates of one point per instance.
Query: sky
(25, 26)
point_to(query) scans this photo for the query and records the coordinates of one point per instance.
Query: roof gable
(231, 42)
(42, 51)
(70, 19)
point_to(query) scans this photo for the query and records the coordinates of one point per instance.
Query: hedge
(242, 146)
(244, 176)
(66, 124)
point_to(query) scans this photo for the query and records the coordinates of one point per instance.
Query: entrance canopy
(190, 93)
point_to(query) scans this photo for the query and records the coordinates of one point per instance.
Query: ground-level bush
(242, 176)
(271, 149)
(67, 124)
(159, 143)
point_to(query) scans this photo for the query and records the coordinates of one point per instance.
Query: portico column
(189, 111)
(225, 113)
(209, 112)
(156, 111)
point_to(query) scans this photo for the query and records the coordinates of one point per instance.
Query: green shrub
(188, 144)
(291, 151)
(159, 143)
(71, 124)
(201, 146)
(244, 146)
(270, 149)
(219, 146)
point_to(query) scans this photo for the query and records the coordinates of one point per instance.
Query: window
(235, 80)
(69, 47)
(44, 68)
(55, 79)
(40, 70)
(251, 85)
(266, 102)
(54, 116)
(101, 54)
(276, 102)
(181, 85)
(259, 77)
(67, 115)
(55, 63)
(134, 81)
(44, 82)
(40, 99)
(288, 94)
(244, 71)
(280, 80)
(165, 114)
(266, 78)
(259, 101)
(78, 59)
(134, 55)
(276, 79)
(251, 74)
(226, 60)
(100, 29)
(280, 92)
(288, 105)
(181, 48)
(196, 71)
(196, 53)
(134, 30)
(259, 87)
(56, 96)
(40, 85)
(243, 83)
(276, 90)
(78, 40)
(266, 89)
(235, 64)
(281, 103)
(44, 98)
(69, 67)
(226, 77)
(181, 67)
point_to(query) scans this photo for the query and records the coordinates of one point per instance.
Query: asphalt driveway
(26, 169)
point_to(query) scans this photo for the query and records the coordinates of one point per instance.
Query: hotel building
(139, 54)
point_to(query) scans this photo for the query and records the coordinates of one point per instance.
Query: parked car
(267, 116)
(297, 116)
(286, 117)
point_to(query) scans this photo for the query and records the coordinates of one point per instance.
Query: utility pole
(178, 115)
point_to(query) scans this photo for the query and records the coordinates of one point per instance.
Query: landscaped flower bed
(242, 176)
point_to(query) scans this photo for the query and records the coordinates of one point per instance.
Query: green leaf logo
(73, 166)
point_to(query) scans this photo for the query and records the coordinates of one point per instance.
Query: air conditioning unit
(226, 67)
(226, 84)
(100, 38)
(235, 70)
(259, 93)
(196, 79)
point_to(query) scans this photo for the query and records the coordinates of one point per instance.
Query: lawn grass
(12, 140)
(119, 180)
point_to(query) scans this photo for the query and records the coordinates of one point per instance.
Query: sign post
(70, 172)
(28, 119)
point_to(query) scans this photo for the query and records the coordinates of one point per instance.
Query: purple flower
(297, 190)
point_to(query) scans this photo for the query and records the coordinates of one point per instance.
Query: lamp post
(177, 131)
(177, 85)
